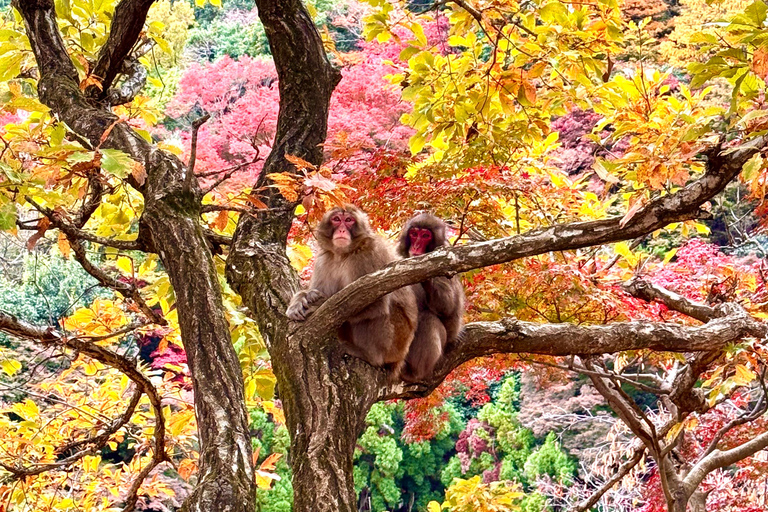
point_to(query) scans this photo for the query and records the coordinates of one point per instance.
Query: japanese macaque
(440, 299)
(381, 334)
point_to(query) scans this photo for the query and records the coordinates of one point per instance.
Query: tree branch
(514, 336)
(74, 233)
(196, 124)
(48, 335)
(124, 32)
(650, 293)
(682, 205)
(623, 470)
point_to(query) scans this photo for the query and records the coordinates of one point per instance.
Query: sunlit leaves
(472, 495)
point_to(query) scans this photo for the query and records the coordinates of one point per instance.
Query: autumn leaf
(63, 244)
(42, 226)
(286, 184)
(300, 163)
(139, 173)
(91, 80)
(759, 65)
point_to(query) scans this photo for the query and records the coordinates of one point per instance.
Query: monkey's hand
(303, 304)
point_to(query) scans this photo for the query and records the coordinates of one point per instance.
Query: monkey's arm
(304, 303)
(444, 296)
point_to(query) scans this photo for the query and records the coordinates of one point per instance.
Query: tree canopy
(602, 169)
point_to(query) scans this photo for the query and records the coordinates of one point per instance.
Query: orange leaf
(42, 227)
(91, 80)
(759, 65)
(64, 245)
(300, 163)
(256, 202)
(107, 131)
(286, 184)
(138, 172)
(270, 462)
(221, 220)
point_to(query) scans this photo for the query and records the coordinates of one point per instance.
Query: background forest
(494, 150)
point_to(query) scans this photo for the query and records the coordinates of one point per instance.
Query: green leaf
(116, 162)
(408, 52)
(416, 144)
(7, 215)
(10, 65)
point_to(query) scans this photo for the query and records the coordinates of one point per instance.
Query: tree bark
(325, 409)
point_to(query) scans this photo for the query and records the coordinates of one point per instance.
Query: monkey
(440, 299)
(381, 334)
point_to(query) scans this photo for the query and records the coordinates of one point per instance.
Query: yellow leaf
(264, 479)
(299, 255)
(743, 375)
(10, 366)
(125, 264)
(434, 506)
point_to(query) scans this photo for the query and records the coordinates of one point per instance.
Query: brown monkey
(380, 334)
(440, 299)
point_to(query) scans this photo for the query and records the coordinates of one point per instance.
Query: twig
(74, 233)
(196, 124)
(49, 336)
(625, 468)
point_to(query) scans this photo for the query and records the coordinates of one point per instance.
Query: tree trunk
(324, 403)
(169, 225)
(326, 397)
(171, 213)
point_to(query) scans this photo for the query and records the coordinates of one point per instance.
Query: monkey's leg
(426, 349)
(371, 339)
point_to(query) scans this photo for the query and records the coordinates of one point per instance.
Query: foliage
(473, 495)
(389, 471)
(50, 288)
(502, 117)
(696, 23)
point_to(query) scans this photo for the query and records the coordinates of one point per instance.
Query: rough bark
(324, 402)
(170, 226)
(326, 395)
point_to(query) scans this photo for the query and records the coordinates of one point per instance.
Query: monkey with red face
(440, 299)
(381, 334)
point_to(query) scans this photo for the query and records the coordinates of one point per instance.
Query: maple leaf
(42, 226)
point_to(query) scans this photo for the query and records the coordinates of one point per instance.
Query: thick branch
(514, 336)
(650, 293)
(680, 206)
(127, 24)
(718, 459)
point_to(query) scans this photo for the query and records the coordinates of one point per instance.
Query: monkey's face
(420, 241)
(343, 224)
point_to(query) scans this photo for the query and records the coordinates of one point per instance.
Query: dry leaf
(91, 80)
(42, 227)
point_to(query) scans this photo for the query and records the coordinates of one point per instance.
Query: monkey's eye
(336, 220)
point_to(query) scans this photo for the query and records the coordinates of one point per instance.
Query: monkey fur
(440, 299)
(381, 334)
